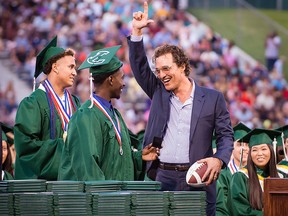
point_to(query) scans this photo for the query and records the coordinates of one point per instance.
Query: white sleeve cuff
(136, 38)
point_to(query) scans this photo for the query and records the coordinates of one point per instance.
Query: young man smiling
(98, 145)
(42, 118)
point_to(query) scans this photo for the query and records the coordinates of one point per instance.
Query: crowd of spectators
(254, 95)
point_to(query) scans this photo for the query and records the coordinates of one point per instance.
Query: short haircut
(48, 66)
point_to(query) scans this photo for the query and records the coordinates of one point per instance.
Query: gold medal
(64, 136)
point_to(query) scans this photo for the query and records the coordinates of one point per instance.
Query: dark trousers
(176, 181)
(270, 63)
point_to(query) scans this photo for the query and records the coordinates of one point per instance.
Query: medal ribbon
(233, 168)
(117, 128)
(64, 110)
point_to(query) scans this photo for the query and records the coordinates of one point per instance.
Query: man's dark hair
(100, 78)
(48, 66)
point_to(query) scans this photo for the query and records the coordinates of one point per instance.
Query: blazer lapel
(197, 107)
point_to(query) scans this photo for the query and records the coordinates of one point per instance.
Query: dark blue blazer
(209, 113)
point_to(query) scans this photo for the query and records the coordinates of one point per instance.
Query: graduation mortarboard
(102, 61)
(283, 130)
(281, 139)
(240, 130)
(259, 136)
(48, 52)
(4, 137)
(8, 132)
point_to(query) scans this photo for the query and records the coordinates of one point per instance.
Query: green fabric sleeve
(37, 155)
(224, 179)
(221, 207)
(139, 164)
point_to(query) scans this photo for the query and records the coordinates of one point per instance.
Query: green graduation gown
(225, 178)
(221, 207)
(91, 151)
(282, 168)
(238, 194)
(37, 155)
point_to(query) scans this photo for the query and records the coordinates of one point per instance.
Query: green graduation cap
(4, 137)
(48, 52)
(283, 130)
(281, 139)
(8, 133)
(102, 61)
(240, 130)
(260, 136)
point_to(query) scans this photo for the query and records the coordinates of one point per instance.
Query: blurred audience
(86, 25)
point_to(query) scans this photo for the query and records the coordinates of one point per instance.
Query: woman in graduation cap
(8, 130)
(246, 188)
(7, 169)
(42, 118)
(98, 144)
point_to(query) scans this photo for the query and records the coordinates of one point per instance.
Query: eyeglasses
(165, 70)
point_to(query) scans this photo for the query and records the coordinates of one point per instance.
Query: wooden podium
(275, 196)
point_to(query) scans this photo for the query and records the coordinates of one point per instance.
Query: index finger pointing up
(145, 8)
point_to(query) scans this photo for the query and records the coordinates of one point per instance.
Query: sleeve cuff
(135, 38)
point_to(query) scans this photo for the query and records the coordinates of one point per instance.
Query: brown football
(195, 173)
